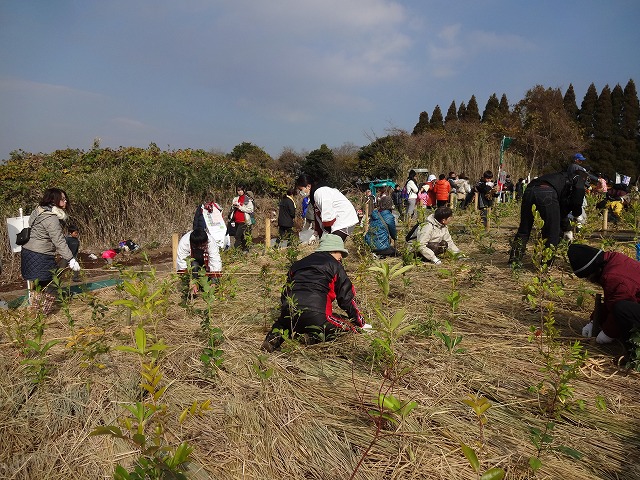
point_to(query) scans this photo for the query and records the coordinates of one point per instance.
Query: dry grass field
(313, 412)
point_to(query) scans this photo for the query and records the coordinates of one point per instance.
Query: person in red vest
(242, 208)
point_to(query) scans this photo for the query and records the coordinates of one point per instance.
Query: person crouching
(201, 251)
(306, 302)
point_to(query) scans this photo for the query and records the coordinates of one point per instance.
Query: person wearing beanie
(307, 297)
(619, 277)
(382, 229)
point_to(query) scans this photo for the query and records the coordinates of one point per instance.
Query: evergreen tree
(452, 114)
(318, 162)
(601, 151)
(570, 104)
(422, 125)
(630, 128)
(436, 121)
(491, 109)
(473, 113)
(504, 105)
(462, 111)
(587, 110)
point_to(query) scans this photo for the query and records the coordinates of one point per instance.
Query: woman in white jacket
(412, 191)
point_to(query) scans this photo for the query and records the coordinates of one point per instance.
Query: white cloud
(454, 48)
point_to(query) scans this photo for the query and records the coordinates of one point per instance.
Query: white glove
(568, 236)
(489, 184)
(74, 265)
(437, 261)
(587, 329)
(313, 239)
(367, 327)
(603, 338)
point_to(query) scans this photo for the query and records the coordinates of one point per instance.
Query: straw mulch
(309, 419)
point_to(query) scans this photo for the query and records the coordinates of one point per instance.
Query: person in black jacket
(286, 217)
(306, 302)
(555, 195)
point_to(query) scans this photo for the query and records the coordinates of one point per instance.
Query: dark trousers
(286, 233)
(627, 315)
(545, 198)
(240, 240)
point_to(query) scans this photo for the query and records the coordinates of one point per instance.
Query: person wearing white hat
(306, 302)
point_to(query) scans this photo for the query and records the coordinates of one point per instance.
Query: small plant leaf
(535, 463)
(470, 453)
(493, 474)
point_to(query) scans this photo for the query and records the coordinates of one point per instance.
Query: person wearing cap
(307, 297)
(334, 213)
(577, 165)
(554, 195)
(619, 277)
(382, 229)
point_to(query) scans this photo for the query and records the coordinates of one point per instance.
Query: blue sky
(286, 73)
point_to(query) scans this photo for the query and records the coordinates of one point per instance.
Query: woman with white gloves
(38, 261)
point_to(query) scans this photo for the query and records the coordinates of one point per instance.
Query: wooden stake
(267, 233)
(174, 249)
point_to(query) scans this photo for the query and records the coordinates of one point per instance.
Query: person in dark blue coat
(382, 229)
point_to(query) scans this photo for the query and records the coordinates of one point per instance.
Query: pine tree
(504, 105)
(462, 111)
(473, 113)
(569, 102)
(630, 126)
(491, 109)
(452, 114)
(422, 125)
(436, 121)
(601, 152)
(587, 110)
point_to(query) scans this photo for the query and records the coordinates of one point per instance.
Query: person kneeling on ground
(434, 236)
(204, 254)
(306, 302)
(619, 277)
(382, 229)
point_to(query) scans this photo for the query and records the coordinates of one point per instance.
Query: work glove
(367, 327)
(437, 261)
(587, 329)
(74, 265)
(603, 338)
(313, 239)
(568, 236)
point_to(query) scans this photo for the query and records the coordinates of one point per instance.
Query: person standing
(313, 283)
(241, 210)
(554, 195)
(334, 213)
(397, 199)
(486, 194)
(286, 217)
(442, 188)
(411, 187)
(37, 258)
